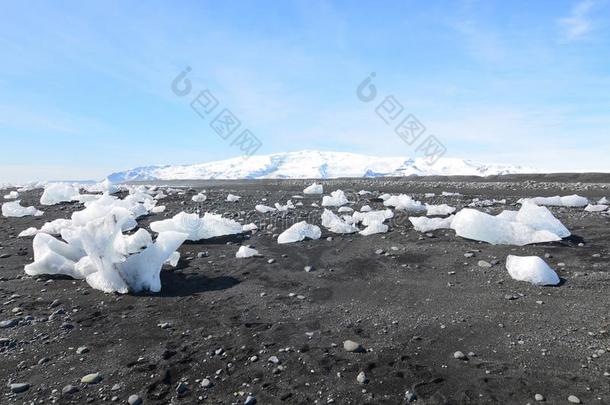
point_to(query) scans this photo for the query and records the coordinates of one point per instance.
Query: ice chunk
(284, 208)
(565, 201)
(52, 256)
(14, 209)
(486, 203)
(55, 193)
(449, 194)
(425, 224)
(403, 202)
(245, 252)
(442, 209)
(138, 241)
(233, 198)
(173, 259)
(603, 201)
(141, 271)
(31, 231)
(365, 208)
(199, 197)
(429, 195)
(596, 208)
(366, 218)
(13, 195)
(158, 209)
(55, 227)
(335, 224)
(249, 227)
(299, 232)
(314, 189)
(345, 209)
(472, 224)
(541, 219)
(336, 198)
(374, 226)
(264, 208)
(531, 269)
(197, 228)
(105, 186)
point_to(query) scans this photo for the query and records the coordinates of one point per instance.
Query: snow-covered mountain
(315, 164)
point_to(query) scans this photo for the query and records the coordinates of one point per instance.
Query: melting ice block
(299, 232)
(425, 224)
(55, 193)
(335, 224)
(541, 219)
(197, 228)
(531, 269)
(335, 199)
(233, 198)
(14, 209)
(245, 251)
(596, 207)
(403, 202)
(314, 189)
(374, 226)
(472, 224)
(565, 201)
(442, 209)
(263, 209)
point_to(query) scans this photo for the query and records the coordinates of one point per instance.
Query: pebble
(308, 269)
(361, 378)
(82, 350)
(92, 378)
(468, 254)
(459, 355)
(484, 264)
(274, 360)
(573, 399)
(134, 400)
(68, 389)
(206, 383)
(9, 323)
(19, 387)
(271, 261)
(352, 347)
(539, 397)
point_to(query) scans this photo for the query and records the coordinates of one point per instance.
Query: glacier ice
(425, 224)
(249, 227)
(366, 218)
(196, 227)
(541, 219)
(374, 226)
(565, 201)
(246, 251)
(335, 224)
(233, 198)
(13, 195)
(16, 210)
(336, 198)
(472, 224)
(56, 193)
(403, 202)
(314, 189)
(531, 269)
(299, 232)
(264, 208)
(596, 207)
(284, 208)
(442, 209)
(603, 201)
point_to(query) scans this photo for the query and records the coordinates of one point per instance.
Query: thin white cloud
(578, 24)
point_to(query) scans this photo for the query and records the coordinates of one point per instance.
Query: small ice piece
(486, 203)
(284, 208)
(335, 224)
(364, 192)
(197, 228)
(345, 209)
(105, 186)
(365, 208)
(199, 197)
(596, 207)
(403, 202)
(264, 208)
(52, 256)
(603, 201)
(565, 201)
(13, 195)
(336, 198)
(531, 269)
(541, 219)
(233, 198)
(31, 231)
(425, 224)
(56, 193)
(299, 232)
(249, 227)
(449, 194)
(15, 210)
(314, 189)
(366, 218)
(158, 209)
(472, 224)
(442, 209)
(429, 195)
(374, 226)
(245, 252)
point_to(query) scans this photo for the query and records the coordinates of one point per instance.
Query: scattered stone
(274, 360)
(362, 378)
(271, 261)
(82, 350)
(9, 323)
(92, 378)
(206, 383)
(410, 396)
(18, 388)
(134, 400)
(484, 264)
(573, 399)
(539, 397)
(352, 347)
(468, 254)
(308, 269)
(459, 356)
(250, 400)
(69, 389)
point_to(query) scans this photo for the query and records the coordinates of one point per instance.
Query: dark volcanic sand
(411, 308)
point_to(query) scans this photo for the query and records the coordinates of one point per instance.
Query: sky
(86, 86)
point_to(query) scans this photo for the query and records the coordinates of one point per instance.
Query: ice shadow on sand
(178, 284)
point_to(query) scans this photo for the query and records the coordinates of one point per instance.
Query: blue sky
(85, 85)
